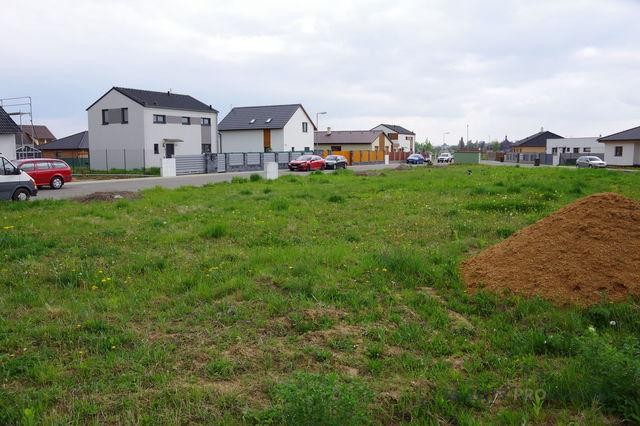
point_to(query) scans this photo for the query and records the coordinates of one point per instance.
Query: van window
(27, 167)
(7, 167)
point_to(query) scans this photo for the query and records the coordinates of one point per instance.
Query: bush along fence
(248, 161)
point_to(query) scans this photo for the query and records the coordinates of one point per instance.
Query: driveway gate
(190, 164)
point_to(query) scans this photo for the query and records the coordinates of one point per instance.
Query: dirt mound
(585, 251)
(108, 196)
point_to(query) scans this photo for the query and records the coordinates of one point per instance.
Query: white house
(9, 133)
(353, 140)
(405, 139)
(267, 128)
(573, 146)
(131, 128)
(623, 148)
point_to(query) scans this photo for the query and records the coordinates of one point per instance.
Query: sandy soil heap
(582, 252)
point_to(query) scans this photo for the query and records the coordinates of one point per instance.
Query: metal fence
(569, 159)
(528, 158)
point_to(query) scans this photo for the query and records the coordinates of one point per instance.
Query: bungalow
(37, 134)
(132, 128)
(9, 134)
(534, 144)
(623, 148)
(267, 128)
(572, 148)
(68, 148)
(353, 140)
(405, 139)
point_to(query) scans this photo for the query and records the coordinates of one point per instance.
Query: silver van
(15, 184)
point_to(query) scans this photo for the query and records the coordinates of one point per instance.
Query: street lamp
(318, 114)
(443, 135)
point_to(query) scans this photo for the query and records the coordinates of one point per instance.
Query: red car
(45, 171)
(306, 163)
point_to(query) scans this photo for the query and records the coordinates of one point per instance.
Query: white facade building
(402, 139)
(131, 128)
(353, 140)
(9, 132)
(275, 128)
(622, 149)
(575, 146)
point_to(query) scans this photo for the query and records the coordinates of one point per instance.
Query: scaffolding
(20, 106)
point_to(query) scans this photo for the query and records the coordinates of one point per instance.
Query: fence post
(106, 159)
(124, 155)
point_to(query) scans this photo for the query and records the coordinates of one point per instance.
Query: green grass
(327, 299)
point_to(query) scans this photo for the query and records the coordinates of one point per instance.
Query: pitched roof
(7, 125)
(398, 129)
(39, 131)
(77, 141)
(538, 140)
(260, 117)
(347, 137)
(168, 100)
(625, 135)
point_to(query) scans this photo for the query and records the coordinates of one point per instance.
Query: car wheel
(591, 166)
(21, 194)
(57, 182)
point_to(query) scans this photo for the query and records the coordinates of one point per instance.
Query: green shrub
(238, 179)
(255, 177)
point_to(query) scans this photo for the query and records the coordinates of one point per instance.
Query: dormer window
(253, 120)
(268, 120)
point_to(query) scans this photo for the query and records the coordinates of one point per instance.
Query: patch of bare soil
(584, 252)
(403, 166)
(109, 196)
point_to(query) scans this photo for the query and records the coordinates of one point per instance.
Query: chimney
(328, 131)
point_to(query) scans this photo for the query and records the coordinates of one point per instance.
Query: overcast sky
(503, 67)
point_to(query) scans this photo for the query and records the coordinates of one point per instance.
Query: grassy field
(327, 299)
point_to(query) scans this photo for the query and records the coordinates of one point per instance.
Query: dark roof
(39, 131)
(538, 140)
(240, 118)
(625, 135)
(398, 129)
(347, 137)
(77, 141)
(168, 100)
(7, 125)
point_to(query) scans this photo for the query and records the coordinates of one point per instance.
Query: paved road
(81, 188)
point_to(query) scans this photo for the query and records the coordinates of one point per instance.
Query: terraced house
(132, 128)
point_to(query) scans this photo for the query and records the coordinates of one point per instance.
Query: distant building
(506, 145)
(573, 147)
(37, 134)
(353, 140)
(9, 134)
(405, 139)
(534, 144)
(70, 147)
(623, 148)
(267, 128)
(132, 128)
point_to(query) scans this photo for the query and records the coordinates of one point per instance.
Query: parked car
(416, 159)
(445, 157)
(45, 171)
(335, 162)
(590, 161)
(308, 163)
(15, 184)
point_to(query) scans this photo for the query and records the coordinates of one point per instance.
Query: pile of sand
(585, 251)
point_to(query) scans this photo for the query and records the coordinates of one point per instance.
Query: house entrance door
(169, 150)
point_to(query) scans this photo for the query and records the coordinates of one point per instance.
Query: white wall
(189, 135)
(242, 141)
(293, 136)
(108, 142)
(8, 146)
(570, 143)
(630, 153)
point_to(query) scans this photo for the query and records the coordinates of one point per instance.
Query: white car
(445, 157)
(590, 161)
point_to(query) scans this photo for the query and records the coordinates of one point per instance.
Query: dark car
(307, 163)
(335, 162)
(416, 159)
(45, 171)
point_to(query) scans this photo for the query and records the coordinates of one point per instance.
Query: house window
(124, 115)
(105, 116)
(576, 150)
(204, 121)
(554, 150)
(336, 147)
(305, 127)
(156, 148)
(159, 119)
(186, 121)
(206, 148)
(586, 149)
(618, 151)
